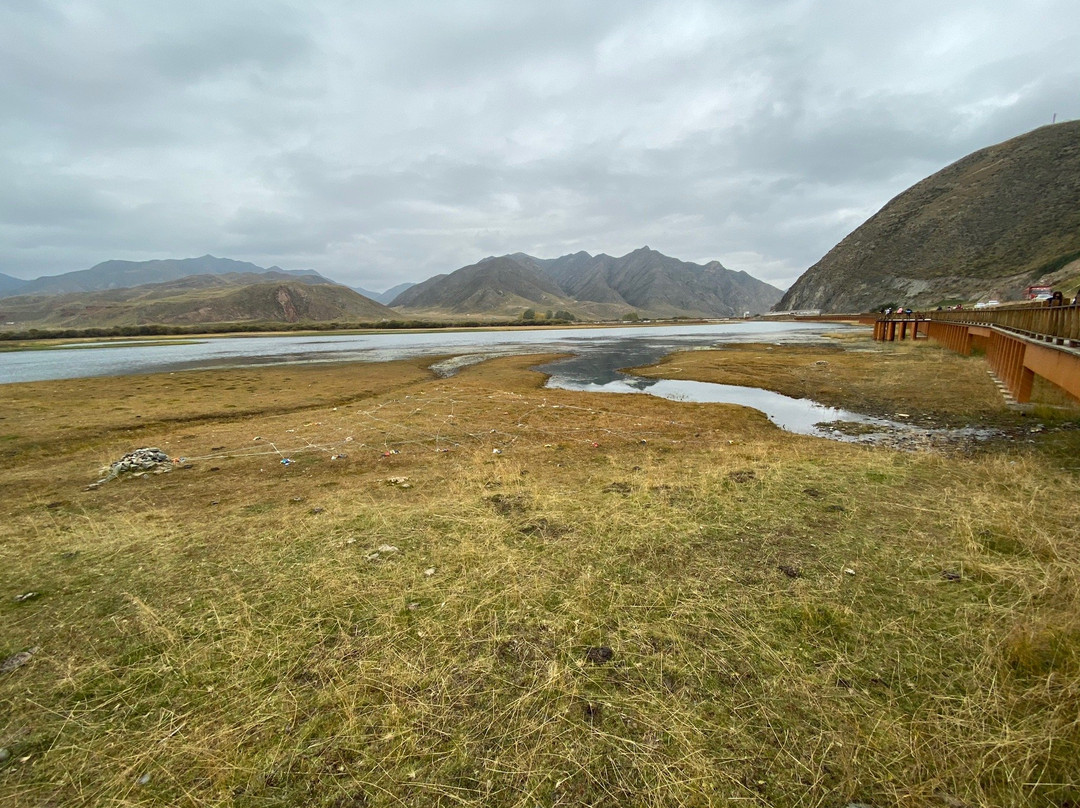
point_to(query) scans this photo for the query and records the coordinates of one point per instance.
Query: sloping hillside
(988, 225)
(494, 286)
(199, 299)
(10, 285)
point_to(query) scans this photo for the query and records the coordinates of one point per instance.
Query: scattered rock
(821, 362)
(27, 596)
(144, 780)
(789, 571)
(429, 572)
(599, 654)
(743, 476)
(140, 461)
(317, 510)
(16, 661)
(849, 571)
(399, 482)
(5, 755)
(951, 575)
(380, 552)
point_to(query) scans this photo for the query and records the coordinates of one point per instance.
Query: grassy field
(477, 591)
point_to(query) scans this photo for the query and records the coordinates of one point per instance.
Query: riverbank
(477, 590)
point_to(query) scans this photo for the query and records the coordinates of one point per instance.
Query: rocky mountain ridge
(988, 225)
(644, 281)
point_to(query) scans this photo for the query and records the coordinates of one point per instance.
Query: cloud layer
(379, 143)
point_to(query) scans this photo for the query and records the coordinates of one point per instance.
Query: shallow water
(799, 415)
(113, 359)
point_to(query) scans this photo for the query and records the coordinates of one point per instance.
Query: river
(597, 354)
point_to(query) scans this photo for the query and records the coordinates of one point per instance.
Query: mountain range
(124, 274)
(987, 226)
(213, 290)
(266, 296)
(644, 281)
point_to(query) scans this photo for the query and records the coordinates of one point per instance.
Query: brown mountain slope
(199, 299)
(988, 225)
(654, 283)
(643, 281)
(494, 286)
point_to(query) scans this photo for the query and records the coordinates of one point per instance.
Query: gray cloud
(387, 142)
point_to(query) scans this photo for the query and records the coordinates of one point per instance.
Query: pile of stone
(139, 462)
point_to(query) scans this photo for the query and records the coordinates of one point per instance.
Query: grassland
(578, 600)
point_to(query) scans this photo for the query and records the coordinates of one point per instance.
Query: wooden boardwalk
(1020, 342)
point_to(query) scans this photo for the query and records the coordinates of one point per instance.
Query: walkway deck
(1020, 342)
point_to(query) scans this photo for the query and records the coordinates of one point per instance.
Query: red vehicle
(1040, 292)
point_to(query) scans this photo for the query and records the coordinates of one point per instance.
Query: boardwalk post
(1020, 342)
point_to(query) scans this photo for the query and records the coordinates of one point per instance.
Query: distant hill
(643, 281)
(124, 274)
(988, 225)
(386, 297)
(502, 286)
(198, 299)
(10, 285)
(390, 294)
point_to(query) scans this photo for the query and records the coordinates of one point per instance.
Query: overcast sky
(385, 142)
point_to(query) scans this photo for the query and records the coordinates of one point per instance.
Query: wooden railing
(1058, 324)
(1020, 342)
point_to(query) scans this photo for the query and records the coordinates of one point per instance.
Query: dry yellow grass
(664, 618)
